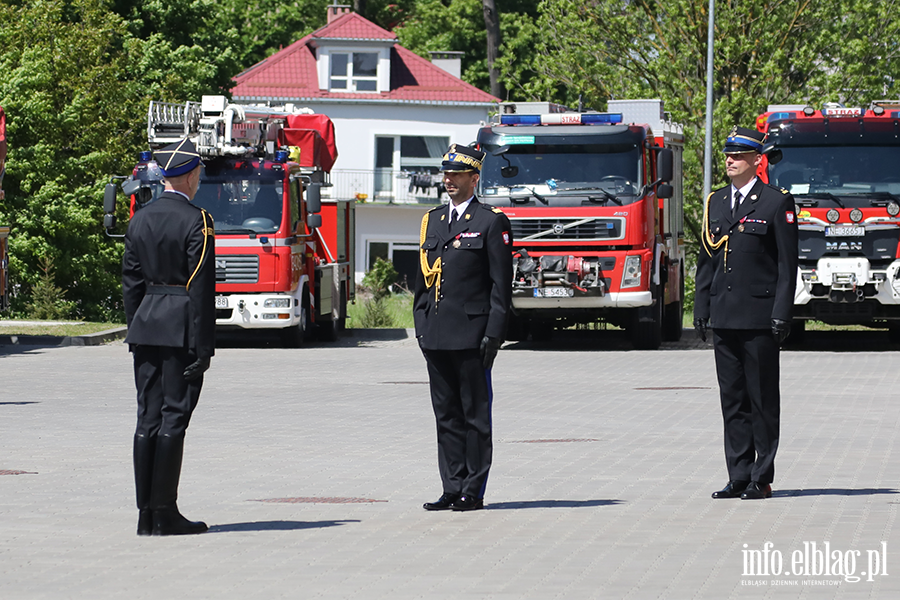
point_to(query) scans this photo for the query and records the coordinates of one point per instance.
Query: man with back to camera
(463, 293)
(168, 283)
(746, 275)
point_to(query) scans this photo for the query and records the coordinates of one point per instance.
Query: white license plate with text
(221, 302)
(845, 231)
(553, 292)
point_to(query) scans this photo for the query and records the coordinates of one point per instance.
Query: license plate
(553, 292)
(221, 302)
(845, 231)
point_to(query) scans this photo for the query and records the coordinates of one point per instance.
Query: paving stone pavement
(604, 461)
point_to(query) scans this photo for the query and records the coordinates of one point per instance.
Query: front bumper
(248, 311)
(523, 298)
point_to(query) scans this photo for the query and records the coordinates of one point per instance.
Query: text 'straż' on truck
(284, 256)
(840, 165)
(595, 202)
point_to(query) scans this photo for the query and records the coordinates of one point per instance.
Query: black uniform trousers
(165, 399)
(461, 396)
(748, 371)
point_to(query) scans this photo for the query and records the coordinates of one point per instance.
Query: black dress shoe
(757, 491)
(468, 503)
(443, 503)
(733, 489)
(145, 522)
(168, 521)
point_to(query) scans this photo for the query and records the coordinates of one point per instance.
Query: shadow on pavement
(349, 338)
(18, 403)
(835, 492)
(276, 525)
(550, 504)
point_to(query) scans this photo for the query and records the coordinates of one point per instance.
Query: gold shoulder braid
(706, 238)
(207, 231)
(433, 273)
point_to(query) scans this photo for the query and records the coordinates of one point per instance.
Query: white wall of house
(396, 225)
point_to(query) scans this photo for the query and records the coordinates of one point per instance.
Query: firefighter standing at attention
(746, 275)
(168, 282)
(462, 299)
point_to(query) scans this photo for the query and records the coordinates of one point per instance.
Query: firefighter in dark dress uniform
(462, 298)
(746, 275)
(168, 281)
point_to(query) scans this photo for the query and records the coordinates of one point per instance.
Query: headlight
(631, 275)
(832, 215)
(856, 215)
(277, 303)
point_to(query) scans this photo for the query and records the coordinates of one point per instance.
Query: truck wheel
(894, 332)
(673, 321)
(327, 331)
(516, 330)
(293, 337)
(647, 335)
(798, 333)
(541, 331)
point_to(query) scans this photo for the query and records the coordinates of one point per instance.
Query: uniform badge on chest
(456, 243)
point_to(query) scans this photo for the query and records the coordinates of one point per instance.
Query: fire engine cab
(595, 203)
(840, 165)
(283, 257)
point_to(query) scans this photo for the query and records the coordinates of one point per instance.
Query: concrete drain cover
(318, 500)
(561, 441)
(12, 472)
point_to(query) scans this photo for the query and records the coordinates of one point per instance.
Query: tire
(673, 321)
(541, 331)
(798, 333)
(516, 330)
(647, 335)
(293, 337)
(894, 332)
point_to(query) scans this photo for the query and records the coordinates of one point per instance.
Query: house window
(354, 72)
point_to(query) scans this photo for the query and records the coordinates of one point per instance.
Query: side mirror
(109, 198)
(664, 190)
(314, 197)
(664, 166)
(314, 221)
(774, 157)
(109, 222)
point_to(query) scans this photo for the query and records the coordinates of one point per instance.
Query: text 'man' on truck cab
(595, 203)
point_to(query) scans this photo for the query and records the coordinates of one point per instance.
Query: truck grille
(582, 229)
(237, 268)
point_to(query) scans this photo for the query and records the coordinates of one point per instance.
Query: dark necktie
(737, 203)
(453, 216)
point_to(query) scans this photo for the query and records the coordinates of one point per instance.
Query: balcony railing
(386, 185)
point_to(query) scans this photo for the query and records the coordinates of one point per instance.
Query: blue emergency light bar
(562, 119)
(281, 156)
(145, 156)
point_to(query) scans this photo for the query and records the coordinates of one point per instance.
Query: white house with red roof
(394, 112)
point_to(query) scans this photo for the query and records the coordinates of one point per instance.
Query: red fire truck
(4, 231)
(595, 203)
(840, 164)
(284, 258)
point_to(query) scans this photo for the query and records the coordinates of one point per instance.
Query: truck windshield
(838, 175)
(563, 175)
(242, 205)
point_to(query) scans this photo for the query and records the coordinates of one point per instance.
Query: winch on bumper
(257, 311)
(570, 282)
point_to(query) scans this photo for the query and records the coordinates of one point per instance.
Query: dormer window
(354, 72)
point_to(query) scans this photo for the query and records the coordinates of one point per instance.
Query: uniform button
(729, 288)
(729, 269)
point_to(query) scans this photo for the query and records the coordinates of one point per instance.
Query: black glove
(489, 348)
(701, 325)
(196, 369)
(781, 329)
(419, 339)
